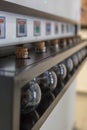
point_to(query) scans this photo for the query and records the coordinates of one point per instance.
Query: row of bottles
(39, 93)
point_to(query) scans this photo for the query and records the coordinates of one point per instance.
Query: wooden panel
(84, 13)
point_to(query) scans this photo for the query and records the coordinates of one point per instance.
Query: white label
(2, 27)
(37, 28)
(56, 28)
(21, 27)
(48, 28)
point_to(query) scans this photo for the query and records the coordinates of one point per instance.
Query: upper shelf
(25, 70)
(19, 9)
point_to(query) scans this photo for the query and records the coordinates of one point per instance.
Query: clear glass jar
(47, 80)
(75, 60)
(79, 56)
(27, 121)
(62, 70)
(30, 97)
(69, 64)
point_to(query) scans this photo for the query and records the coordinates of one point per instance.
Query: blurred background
(71, 111)
(81, 90)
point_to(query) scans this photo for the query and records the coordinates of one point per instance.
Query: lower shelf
(42, 119)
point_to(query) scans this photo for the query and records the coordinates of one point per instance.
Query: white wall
(82, 76)
(62, 117)
(66, 8)
(82, 80)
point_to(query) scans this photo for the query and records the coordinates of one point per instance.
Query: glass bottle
(27, 121)
(47, 80)
(30, 97)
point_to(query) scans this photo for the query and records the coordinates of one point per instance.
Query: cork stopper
(63, 43)
(74, 40)
(78, 38)
(21, 52)
(69, 41)
(54, 42)
(54, 45)
(40, 47)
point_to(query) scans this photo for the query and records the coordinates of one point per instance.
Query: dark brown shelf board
(84, 27)
(57, 99)
(35, 70)
(19, 9)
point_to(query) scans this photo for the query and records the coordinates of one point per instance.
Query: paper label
(48, 28)
(2, 27)
(56, 28)
(37, 28)
(21, 27)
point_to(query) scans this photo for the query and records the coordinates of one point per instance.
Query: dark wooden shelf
(36, 69)
(22, 71)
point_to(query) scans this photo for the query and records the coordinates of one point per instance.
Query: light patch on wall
(45, 1)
